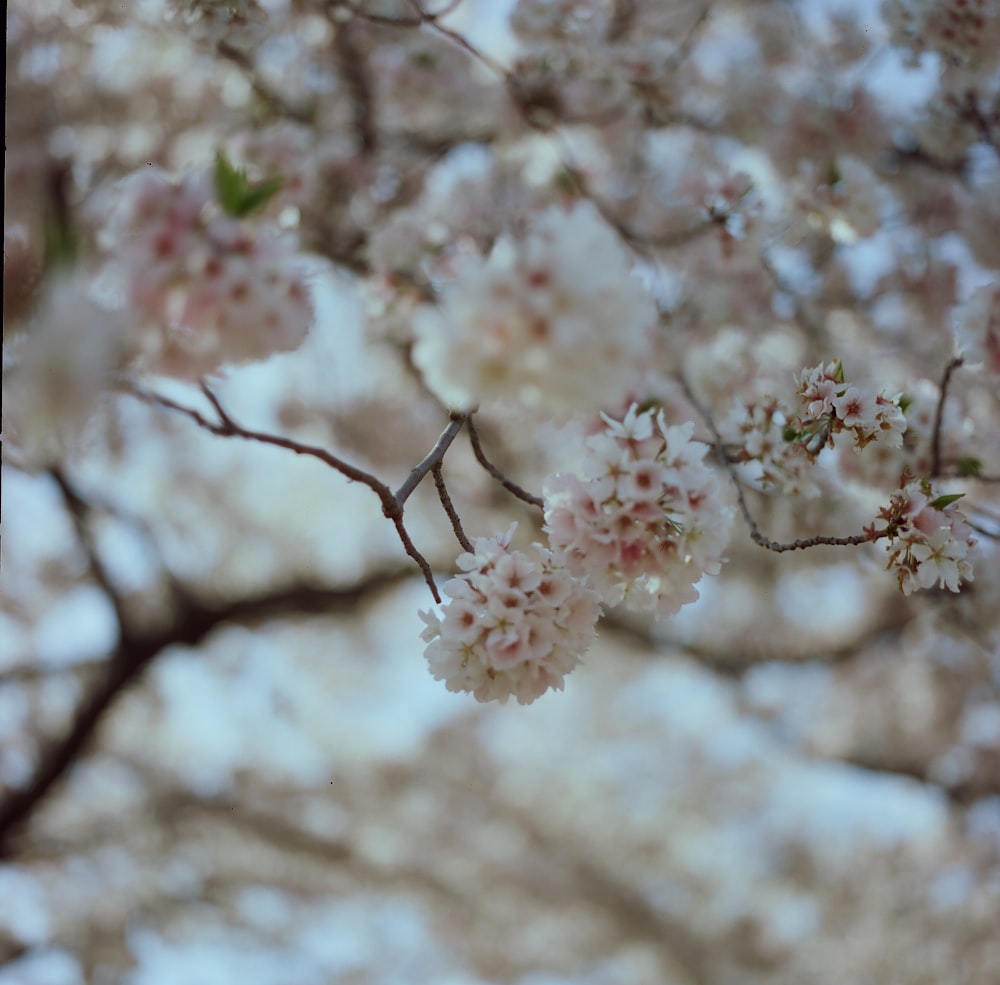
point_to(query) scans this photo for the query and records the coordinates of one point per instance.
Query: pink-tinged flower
(516, 623)
(832, 406)
(853, 407)
(646, 520)
(766, 460)
(928, 544)
(553, 320)
(212, 289)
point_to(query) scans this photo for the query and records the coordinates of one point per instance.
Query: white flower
(941, 559)
(516, 624)
(554, 320)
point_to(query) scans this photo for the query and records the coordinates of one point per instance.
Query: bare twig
(264, 92)
(449, 507)
(79, 511)
(392, 508)
(510, 486)
(953, 364)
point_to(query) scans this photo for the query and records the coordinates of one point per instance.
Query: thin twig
(228, 428)
(79, 511)
(392, 508)
(449, 507)
(992, 534)
(953, 364)
(510, 486)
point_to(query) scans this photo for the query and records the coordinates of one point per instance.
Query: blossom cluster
(648, 518)
(516, 624)
(930, 542)
(213, 288)
(831, 406)
(555, 320)
(763, 455)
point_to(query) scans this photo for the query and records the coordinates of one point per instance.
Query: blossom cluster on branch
(624, 193)
(516, 624)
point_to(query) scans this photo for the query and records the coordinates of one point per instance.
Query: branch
(511, 487)
(449, 508)
(193, 622)
(432, 459)
(79, 510)
(392, 508)
(953, 364)
(357, 79)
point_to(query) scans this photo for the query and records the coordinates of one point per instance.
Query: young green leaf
(942, 501)
(237, 195)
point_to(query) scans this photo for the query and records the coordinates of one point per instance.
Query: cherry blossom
(832, 406)
(646, 520)
(61, 370)
(516, 624)
(213, 289)
(553, 319)
(929, 541)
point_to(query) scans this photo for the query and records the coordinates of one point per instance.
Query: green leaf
(838, 374)
(942, 501)
(905, 402)
(238, 196)
(260, 193)
(970, 466)
(789, 433)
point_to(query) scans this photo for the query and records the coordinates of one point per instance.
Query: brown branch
(194, 620)
(449, 508)
(79, 511)
(510, 486)
(953, 364)
(357, 78)
(226, 427)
